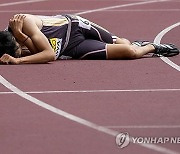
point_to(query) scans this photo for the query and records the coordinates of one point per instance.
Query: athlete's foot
(166, 50)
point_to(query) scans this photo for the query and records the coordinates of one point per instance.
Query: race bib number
(84, 23)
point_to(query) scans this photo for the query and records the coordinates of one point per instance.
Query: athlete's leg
(94, 31)
(124, 51)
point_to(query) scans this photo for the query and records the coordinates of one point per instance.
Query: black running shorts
(87, 41)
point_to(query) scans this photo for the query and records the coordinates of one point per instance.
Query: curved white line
(53, 109)
(158, 40)
(79, 120)
(121, 6)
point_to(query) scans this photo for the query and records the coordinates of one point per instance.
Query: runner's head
(7, 43)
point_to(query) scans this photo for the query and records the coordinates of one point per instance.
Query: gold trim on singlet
(53, 21)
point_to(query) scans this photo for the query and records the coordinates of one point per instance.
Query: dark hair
(7, 43)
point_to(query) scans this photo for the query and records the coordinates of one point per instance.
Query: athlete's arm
(16, 26)
(34, 40)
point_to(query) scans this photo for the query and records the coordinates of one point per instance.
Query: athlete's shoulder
(31, 24)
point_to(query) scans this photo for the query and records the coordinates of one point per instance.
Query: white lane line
(74, 118)
(120, 6)
(77, 119)
(54, 109)
(20, 2)
(145, 127)
(124, 10)
(96, 91)
(158, 40)
(84, 12)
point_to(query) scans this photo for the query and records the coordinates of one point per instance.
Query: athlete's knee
(133, 54)
(121, 51)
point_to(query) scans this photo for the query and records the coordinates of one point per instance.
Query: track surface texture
(79, 106)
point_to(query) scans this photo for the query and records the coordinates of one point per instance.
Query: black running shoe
(141, 43)
(166, 50)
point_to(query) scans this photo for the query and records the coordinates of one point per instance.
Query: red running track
(144, 96)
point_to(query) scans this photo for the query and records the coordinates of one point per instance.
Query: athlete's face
(18, 49)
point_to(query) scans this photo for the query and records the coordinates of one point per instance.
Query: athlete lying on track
(41, 39)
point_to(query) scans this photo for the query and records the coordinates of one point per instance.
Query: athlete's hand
(7, 59)
(16, 24)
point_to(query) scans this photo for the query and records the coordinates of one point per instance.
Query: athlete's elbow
(52, 56)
